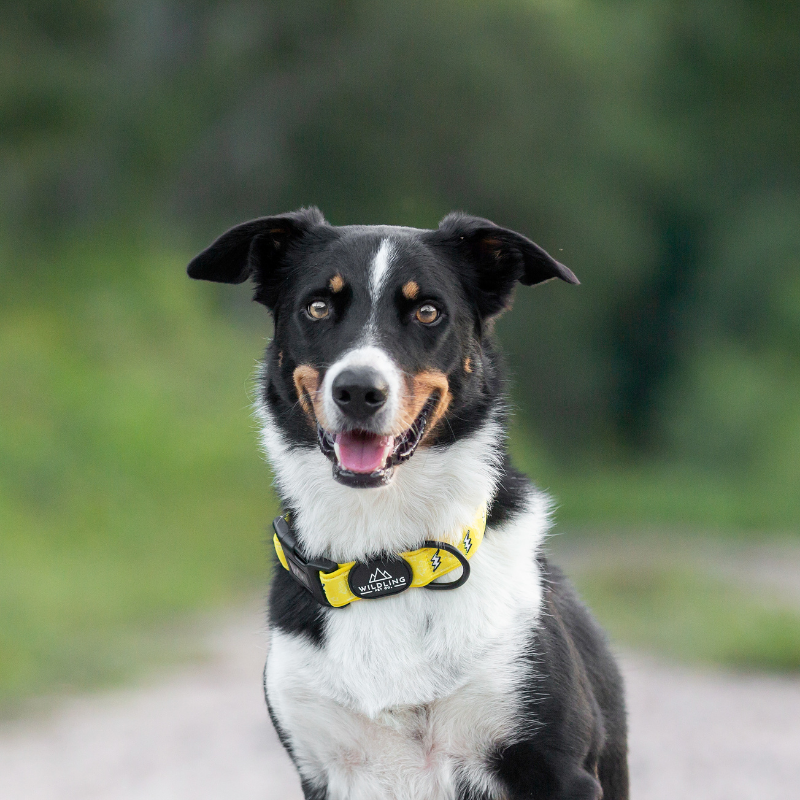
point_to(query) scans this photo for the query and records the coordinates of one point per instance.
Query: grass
(132, 494)
(688, 615)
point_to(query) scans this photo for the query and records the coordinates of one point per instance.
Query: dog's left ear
(254, 250)
(497, 259)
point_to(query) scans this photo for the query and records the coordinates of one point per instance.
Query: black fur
(571, 742)
(291, 608)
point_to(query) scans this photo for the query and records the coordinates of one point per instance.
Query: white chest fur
(411, 691)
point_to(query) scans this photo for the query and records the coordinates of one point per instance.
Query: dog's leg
(613, 773)
(545, 775)
(311, 792)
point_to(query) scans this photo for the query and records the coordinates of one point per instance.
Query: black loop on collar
(464, 566)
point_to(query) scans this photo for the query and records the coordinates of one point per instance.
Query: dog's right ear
(254, 250)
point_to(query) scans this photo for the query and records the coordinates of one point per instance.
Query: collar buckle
(304, 571)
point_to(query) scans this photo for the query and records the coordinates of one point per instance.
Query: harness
(336, 585)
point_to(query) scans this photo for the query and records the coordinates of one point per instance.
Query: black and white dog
(382, 409)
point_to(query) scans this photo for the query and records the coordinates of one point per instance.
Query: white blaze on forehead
(379, 270)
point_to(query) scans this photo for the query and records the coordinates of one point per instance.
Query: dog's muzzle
(364, 460)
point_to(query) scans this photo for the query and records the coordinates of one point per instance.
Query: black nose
(359, 393)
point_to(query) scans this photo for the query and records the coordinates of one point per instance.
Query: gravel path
(203, 734)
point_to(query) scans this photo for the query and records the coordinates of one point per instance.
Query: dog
(421, 644)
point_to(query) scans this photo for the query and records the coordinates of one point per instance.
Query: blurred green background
(654, 147)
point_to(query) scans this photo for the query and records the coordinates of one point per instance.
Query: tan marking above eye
(410, 290)
(427, 314)
(336, 283)
(318, 309)
(467, 364)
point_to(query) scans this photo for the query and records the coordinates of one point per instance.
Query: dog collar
(336, 585)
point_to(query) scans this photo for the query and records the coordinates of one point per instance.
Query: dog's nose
(359, 393)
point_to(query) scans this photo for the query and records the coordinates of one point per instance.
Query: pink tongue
(363, 452)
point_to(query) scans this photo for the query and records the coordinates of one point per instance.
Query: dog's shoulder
(575, 641)
(574, 696)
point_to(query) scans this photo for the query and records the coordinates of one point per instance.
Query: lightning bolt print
(435, 561)
(467, 543)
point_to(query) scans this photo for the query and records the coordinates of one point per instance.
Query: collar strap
(336, 585)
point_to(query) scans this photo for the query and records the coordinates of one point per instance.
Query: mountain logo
(379, 577)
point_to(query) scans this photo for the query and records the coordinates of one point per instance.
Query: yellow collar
(336, 585)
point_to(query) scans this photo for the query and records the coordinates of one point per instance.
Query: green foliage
(651, 146)
(130, 488)
(646, 493)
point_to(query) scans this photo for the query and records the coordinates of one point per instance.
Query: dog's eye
(319, 309)
(427, 314)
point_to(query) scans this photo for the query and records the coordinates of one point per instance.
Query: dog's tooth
(336, 450)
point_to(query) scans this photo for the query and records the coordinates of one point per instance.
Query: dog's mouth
(362, 459)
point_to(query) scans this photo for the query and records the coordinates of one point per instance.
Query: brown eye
(427, 314)
(319, 309)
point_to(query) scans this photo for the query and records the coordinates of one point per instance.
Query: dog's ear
(254, 250)
(497, 258)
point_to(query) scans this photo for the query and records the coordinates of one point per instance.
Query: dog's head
(380, 332)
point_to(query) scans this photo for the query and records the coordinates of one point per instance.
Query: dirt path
(203, 734)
